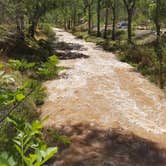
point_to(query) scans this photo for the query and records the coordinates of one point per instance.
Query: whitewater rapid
(100, 90)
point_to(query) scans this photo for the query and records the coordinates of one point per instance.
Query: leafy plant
(39, 94)
(1, 66)
(58, 137)
(10, 95)
(6, 79)
(31, 149)
(21, 65)
(6, 160)
(11, 98)
(49, 69)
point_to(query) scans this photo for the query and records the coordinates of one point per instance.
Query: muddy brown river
(105, 100)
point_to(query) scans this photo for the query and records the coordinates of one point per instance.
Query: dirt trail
(101, 92)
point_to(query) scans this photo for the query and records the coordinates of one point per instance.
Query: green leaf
(20, 97)
(10, 120)
(1, 65)
(6, 160)
(48, 153)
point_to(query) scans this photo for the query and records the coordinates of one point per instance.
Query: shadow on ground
(66, 51)
(67, 46)
(64, 55)
(92, 146)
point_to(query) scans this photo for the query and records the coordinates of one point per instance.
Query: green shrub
(9, 94)
(39, 94)
(121, 34)
(81, 35)
(56, 136)
(30, 149)
(47, 30)
(21, 65)
(49, 69)
(6, 160)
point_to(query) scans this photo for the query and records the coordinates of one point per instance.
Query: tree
(130, 6)
(113, 7)
(107, 7)
(20, 12)
(157, 15)
(88, 5)
(157, 20)
(37, 9)
(98, 17)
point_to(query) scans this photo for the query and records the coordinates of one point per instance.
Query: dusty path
(103, 93)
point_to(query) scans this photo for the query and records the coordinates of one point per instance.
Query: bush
(81, 35)
(47, 30)
(139, 55)
(21, 65)
(39, 94)
(30, 149)
(49, 69)
(121, 34)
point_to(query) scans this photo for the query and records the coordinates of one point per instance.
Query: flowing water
(101, 91)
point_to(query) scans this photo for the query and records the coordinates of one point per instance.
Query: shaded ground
(99, 94)
(66, 51)
(92, 146)
(64, 55)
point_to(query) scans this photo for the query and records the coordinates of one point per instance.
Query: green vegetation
(133, 29)
(21, 91)
(49, 69)
(30, 149)
(109, 23)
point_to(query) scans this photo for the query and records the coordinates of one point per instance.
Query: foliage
(39, 94)
(9, 95)
(6, 79)
(143, 58)
(57, 137)
(43, 70)
(21, 65)
(47, 30)
(6, 160)
(49, 69)
(31, 149)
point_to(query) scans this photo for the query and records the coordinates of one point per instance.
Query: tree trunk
(68, 25)
(89, 20)
(20, 26)
(65, 24)
(161, 72)
(113, 23)
(20, 20)
(98, 17)
(129, 27)
(158, 43)
(106, 22)
(130, 6)
(74, 18)
(32, 28)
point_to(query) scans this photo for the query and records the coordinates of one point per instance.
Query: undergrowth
(21, 92)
